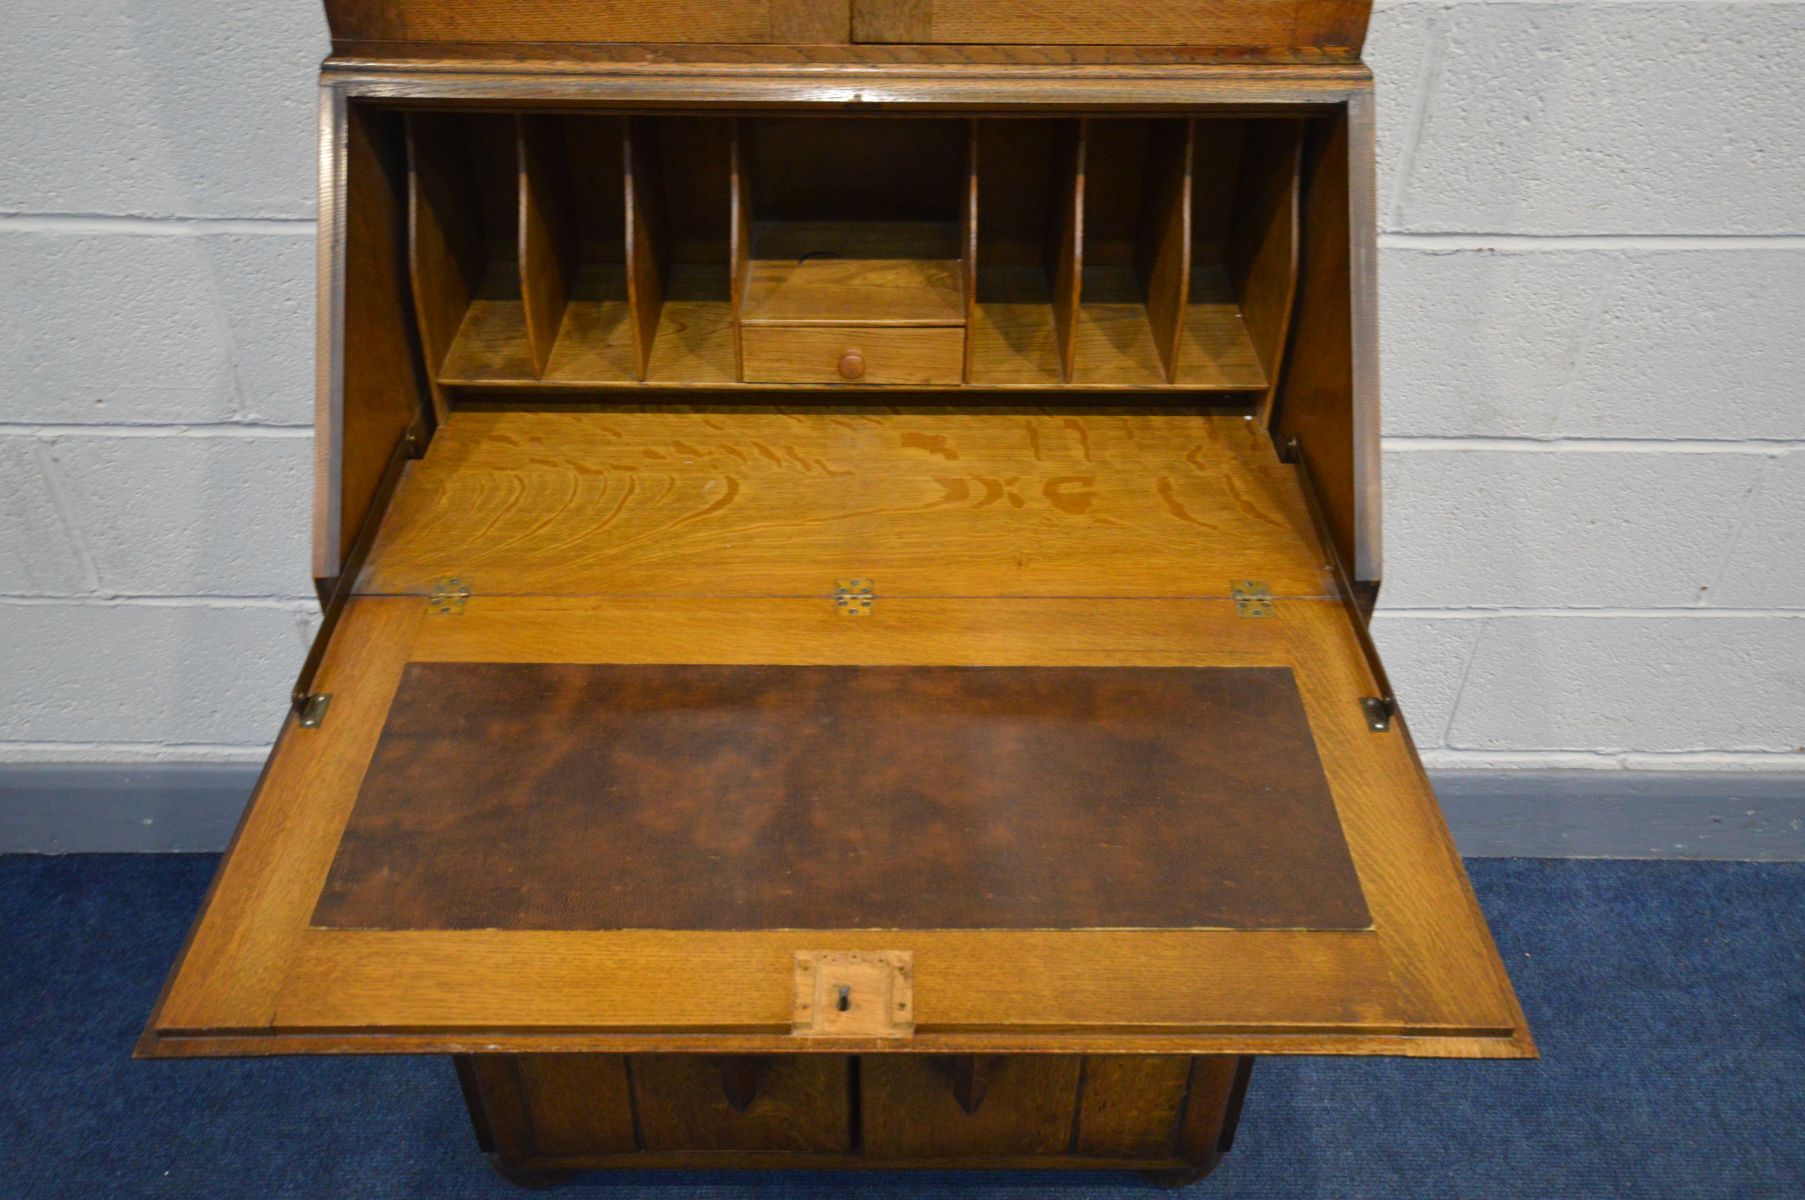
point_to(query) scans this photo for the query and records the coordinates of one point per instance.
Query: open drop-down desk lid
(635, 716)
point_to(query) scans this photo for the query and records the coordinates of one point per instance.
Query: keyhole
(845, 1000)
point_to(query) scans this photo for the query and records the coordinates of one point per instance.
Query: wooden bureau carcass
(846, 531)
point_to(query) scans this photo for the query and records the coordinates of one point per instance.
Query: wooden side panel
(729, 21)
(1333, 29)
(1130, 1105)
(1163, 252)
(1261, 245)
(911, 1106)
(371, 387)
(548, 233)
(445, 243)
(648, 253)
(1316, 396)
(1065, 250)
(791, 1102)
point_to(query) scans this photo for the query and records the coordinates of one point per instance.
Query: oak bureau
(846, 531)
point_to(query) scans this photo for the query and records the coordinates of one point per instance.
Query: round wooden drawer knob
(852, 365)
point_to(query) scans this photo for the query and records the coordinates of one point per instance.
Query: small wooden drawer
(801, 1103)
(854, 354)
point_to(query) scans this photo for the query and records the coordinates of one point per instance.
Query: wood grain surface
(1273, 29)
(1425, 980)
(772, 504)
(907, 1107)
(369, 391)
(1060, 538)
(798, 1103)
(1339, 26)
(1130, 1105)
(1080, 273)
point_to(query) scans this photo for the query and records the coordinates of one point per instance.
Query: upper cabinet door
(587, 21)
(1256, 28)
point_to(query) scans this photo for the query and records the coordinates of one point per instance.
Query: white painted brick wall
(154, 678)
(200, 108)
(1593, 288)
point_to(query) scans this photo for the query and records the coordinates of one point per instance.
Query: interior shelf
(490, 345)
(595, 339)
(855, 273)
(1215, 349)
(578, 253)
(1013, 338)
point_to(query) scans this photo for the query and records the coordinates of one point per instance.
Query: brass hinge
(1252, 597)
(853, 597)
(448, 595)
(310, 709)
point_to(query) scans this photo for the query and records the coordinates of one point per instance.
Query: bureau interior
(573, 252)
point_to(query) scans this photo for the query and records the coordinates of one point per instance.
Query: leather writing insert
(538, 796)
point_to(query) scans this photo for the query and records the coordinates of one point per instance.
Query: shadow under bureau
(846, 532)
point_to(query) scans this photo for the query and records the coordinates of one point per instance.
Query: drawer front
(853, 354)
(915, 1106)
(800, 1103)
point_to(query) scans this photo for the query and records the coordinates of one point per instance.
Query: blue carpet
(1668, 998)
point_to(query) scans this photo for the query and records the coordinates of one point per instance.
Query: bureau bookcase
(846, 531)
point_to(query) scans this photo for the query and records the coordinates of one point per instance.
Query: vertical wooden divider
(445, 243)
(1163, 238)
(648, 254)
(548, 234)
(970, 243)
(1067, 246)
(1261, 250)
(739, 236)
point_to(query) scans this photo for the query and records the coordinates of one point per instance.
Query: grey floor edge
(69, 808)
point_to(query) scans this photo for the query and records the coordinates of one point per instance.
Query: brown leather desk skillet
(846, 530)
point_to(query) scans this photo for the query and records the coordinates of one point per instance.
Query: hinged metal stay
(1252, 597)
(313, 710)
(853, 597)
(310, 706)
(1381, 710)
